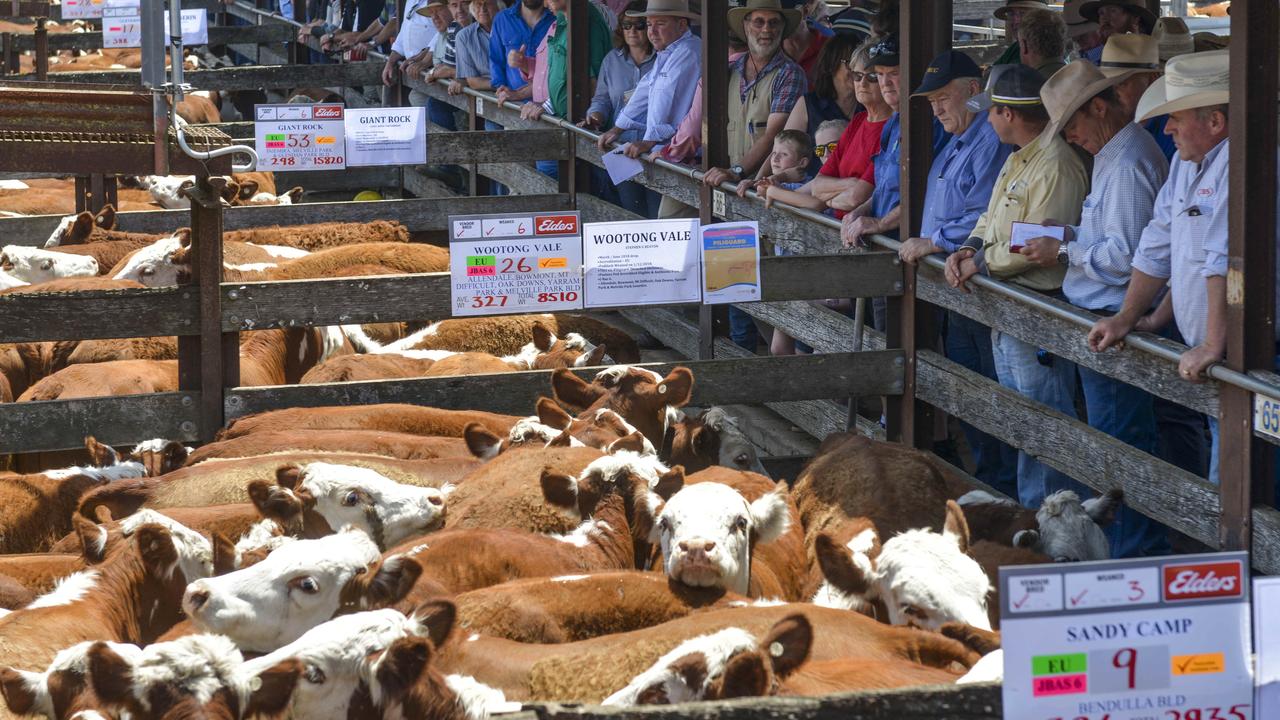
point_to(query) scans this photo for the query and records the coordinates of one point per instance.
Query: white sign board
(1266, 415)
(1163, 638)
(195, 27)
(642, 262)
(730, 262)
(515, 263)
(81, 9)
(386, 136)
(121, 24)
(1266, 632)
(299, 137)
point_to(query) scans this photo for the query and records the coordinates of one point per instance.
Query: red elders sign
(555, 225)
(325, 112)
(1203, 580)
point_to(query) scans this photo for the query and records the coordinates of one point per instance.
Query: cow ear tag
(775, 649)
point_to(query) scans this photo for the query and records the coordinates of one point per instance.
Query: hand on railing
(607, 138)
(854, 227)
(455, 87)
(960, 267)
(637, 148)
(716, 176)
(593, 121)
(914, 249)
(531, 111)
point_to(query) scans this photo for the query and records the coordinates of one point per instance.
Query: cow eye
(46, 265)
(148, 271)
(306, 584)
(314, 675)
(351, 498)
(664, 525)
(740, 524)
(741, 459)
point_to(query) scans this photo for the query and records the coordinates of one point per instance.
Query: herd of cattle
(407, 561)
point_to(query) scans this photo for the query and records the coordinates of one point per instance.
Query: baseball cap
(885, 52)
(948, 66)
(854, 21)
(1009, 85)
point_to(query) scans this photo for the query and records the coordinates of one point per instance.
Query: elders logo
(1203, 580)
(326, 112)
(555, 225)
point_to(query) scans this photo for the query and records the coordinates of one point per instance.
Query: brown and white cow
(36, 265)
(395, 417)
(374, 442)
(38, 507)
(643, 397)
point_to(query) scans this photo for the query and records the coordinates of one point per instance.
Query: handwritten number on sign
(1127, 658)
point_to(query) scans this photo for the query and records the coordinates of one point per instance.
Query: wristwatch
(737, 170)
(1064, 259)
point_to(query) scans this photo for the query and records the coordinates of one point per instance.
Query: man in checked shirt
(1128, 170)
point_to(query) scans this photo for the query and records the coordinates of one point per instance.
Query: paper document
(621, 168)
(1021, 232)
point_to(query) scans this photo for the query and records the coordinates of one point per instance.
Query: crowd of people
(1101, 123)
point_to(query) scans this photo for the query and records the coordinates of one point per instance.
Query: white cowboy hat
(1069, 88)
(1190, 81)
(1124, 55)
(673, 8)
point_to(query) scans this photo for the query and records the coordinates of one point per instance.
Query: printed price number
(489, 301)
(1266, 415)
(567, 296)
(1235, 712)
(1081, 717)
(285, 161)
(126, 36)
(328, 160)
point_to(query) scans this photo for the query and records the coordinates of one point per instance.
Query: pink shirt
(538, 80)
(688, 138)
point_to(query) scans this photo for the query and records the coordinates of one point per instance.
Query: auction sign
(515, 263)
(1150, 639)
(300, 137)
(642, 262)
(80, 9)
(121, 24)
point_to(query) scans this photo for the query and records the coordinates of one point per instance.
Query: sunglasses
(865, 76)
(822, 151)
(641, 25)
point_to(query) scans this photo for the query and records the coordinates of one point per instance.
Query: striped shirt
(789, 83)
(1127, 174)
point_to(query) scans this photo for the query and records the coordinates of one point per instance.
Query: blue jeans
(1214, 438)
(1180, 438)
(968, 343)
(550, 168)
(1126, 414)
(441, 113)
(638, 199)
(1053, 384)
(742, 329)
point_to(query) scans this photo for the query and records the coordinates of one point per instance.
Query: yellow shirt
(1045, 180)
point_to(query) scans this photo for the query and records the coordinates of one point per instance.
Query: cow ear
(670, 482)
(155, 544)
(1103, 509)
(230, 192)
(23, 690)
(692, 670)
(564, 439)
(100, 455)
(956, 526)
(295, 195)
(839, 567)
(559, 490)
(593, 358)
(392, 581)
(173, 456)
(551, 414)
(744, 676)
(184, 186)
(224, 554)
(102, 514)
(481, 441)
(573, 391)
(110, 674)
(788, 644)
(633, 443)
(275, 502)
(93, 539)
(436, 619)
(273, 689)
(403, 662)
(80, 230)
(677, 387)
(1026, 539)
(703, 439)
(543, 338)
(289, 476)
(106, 218)
(978, 640)
(610, 420)
(184, 237)
(248, 188)
(769, 516)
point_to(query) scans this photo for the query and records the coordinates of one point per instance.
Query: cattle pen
(902, 365)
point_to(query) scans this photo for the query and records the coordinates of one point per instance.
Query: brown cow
(643, 397)
(371, 442)
(506, 335)
(395, 417)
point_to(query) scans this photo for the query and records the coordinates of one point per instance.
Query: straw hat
(1208, 41)
(1077, 24)
(1090, 10)
(1125, 55)
(1173, 37)
(1190, 81)
(791, 17)
(1069, 88)
(672, 8)
(429, 8)
(1003, 10)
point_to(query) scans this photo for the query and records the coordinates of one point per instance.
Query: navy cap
(950, 65)
(854, 21)
(885, 52)
(1011, 86)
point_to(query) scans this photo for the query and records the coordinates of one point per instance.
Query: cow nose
(435, 500)
(196, 598)
(704, 546)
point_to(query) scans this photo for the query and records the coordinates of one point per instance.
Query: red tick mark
(1076, 600)
(1023, 601)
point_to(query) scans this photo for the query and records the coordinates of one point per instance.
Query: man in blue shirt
(960, 182)
(519, 28)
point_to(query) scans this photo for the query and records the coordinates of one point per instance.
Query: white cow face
(706, 532)
(36, 265)
(297, 586)
(1070, 530)
(388, 511)
(154, 265)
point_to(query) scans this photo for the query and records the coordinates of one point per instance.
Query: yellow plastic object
(368, 195)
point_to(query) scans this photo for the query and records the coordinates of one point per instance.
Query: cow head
(847, 558)
(323, 494)
(36, 265)
(726, 664)
(78, 229)
(63, 689)
(159, 264)
(706, 532)
(547, 352)
(298, 586)
(402, 683)
(1069, 530)
(923, 578)
(712, 438)
(160, 456)
(641, 396)
(198, 676)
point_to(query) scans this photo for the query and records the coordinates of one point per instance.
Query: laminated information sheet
(515, 263)
(1164, 638)
(642, 262)
(386, 136)
(730, 262)
(299, 137)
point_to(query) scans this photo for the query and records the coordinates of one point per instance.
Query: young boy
(789, 186)
(787, 165)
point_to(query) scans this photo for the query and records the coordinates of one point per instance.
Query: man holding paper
(1128, 171)
(1043, 179)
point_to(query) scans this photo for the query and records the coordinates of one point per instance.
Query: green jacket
(599, 43)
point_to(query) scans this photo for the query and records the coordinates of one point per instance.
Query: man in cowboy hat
(663, 96)
(1043, 179)
(1173, 38)
(1185, 244)
(1082, 31)
(1117, 17)
(960, 182)
(1134, 60)
(1011, 13)
(1128, 171)
(764, 84)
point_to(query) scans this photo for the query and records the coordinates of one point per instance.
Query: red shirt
(809, 60)
(852, 157)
